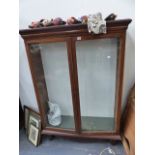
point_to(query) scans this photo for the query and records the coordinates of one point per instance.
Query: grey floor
(65, 146)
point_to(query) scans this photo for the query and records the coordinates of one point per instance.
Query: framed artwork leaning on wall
(32, 125)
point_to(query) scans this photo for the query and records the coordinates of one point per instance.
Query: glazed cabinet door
(97, 72)
(49, 63)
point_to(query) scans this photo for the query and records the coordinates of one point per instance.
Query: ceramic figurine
(84, 19)
(112, 16)
(46, 22)
(96, 24)
(72, 20)
(58, 21)
(54, 114)
(35, 24)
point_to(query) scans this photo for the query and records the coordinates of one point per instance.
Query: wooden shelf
(88, 123)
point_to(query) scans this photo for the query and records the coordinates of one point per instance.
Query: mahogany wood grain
(113, 136)
(39, 83)
(74, 83)
(119, 82)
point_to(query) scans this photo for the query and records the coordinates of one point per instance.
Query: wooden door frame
(72, 62)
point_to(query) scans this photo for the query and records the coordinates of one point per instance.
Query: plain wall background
(31, 10)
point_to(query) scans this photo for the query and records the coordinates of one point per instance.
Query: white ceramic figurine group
(54, 114)
(96, 24)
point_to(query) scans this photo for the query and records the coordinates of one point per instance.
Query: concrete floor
(65, 146)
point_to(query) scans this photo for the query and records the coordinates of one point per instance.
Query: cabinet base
(107, 136)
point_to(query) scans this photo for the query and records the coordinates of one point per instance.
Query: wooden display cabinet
(81, 72)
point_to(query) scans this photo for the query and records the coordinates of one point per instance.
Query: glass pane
(97, 62)
(56, 74)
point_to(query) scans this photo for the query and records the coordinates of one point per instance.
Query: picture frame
(26, 114)
(33, 135)
(34, 121)
(31, 117)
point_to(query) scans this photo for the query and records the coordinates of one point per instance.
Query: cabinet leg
(52, 137)
(40, 139)
(113, 142)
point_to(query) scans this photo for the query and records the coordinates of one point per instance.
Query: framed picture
(31, 118)
(34, 121)
(26, 114)
(33, 134)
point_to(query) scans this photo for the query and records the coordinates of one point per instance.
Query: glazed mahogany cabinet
(82, 73)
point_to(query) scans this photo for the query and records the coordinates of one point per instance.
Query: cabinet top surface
(111, 25)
